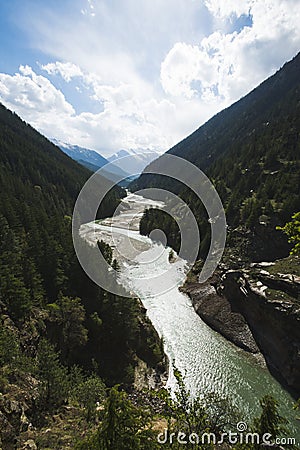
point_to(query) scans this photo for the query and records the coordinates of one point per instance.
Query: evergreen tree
(123, 426)
(292, 230)
(54, 387)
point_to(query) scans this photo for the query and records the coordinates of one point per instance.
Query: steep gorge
(258, 310)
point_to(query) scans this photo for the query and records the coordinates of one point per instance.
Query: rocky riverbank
(258, 309)
(216, 311)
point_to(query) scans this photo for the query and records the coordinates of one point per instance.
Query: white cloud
(127, 120)
(89, 10)
(66, 70)
(183, 65)
(122, 39)
(225, 67)
(28, 91)
(158, 70)
(225, 8)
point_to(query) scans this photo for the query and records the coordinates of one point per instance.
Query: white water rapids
(208, 362)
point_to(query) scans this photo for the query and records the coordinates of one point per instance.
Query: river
(208, 362)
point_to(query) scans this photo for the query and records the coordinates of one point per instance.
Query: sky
(140, 74)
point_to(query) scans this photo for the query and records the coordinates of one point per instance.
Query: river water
(208, 362)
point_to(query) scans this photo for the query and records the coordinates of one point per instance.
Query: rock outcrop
(258, 311)
(217, 312)
(267, 302)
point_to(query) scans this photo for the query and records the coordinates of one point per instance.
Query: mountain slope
(52, 316)
(35, 172)
(39, 185)
(92, 160)
(251, 152)
(81, 154)
(233, 125)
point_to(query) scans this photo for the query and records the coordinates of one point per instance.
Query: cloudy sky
(111, 74)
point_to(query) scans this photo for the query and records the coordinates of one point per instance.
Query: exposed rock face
(217, 312)
(29, 445)
(273, 317)
(16, 406)
(258, 312)
(148, 378)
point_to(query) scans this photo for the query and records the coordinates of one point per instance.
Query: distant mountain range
(133, 161)
(81, 154)
(125, 163)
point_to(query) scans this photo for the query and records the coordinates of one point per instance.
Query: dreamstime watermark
(240, 436)
(182, 172)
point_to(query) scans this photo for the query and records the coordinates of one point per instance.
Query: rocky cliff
(258, 309)
(216, 311)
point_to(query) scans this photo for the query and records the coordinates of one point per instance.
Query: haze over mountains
(133, 161)
(123, 163)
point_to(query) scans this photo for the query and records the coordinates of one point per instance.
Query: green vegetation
(292, 230)
(125, 426)
(64, 342)
(89, 393)
(270, 420)
(154, 218)
(288, 265)
(250, 151)
(53, 376)
(54, 319)
(171, 256)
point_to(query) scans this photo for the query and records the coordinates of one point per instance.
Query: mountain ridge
(183, 149)
(85, 154)
(92, 160)
(59, 331)
(250, 151)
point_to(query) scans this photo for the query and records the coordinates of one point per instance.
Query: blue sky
(142, 74)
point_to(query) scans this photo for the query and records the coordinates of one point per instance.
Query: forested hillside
(251, 152)
(59, 331)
